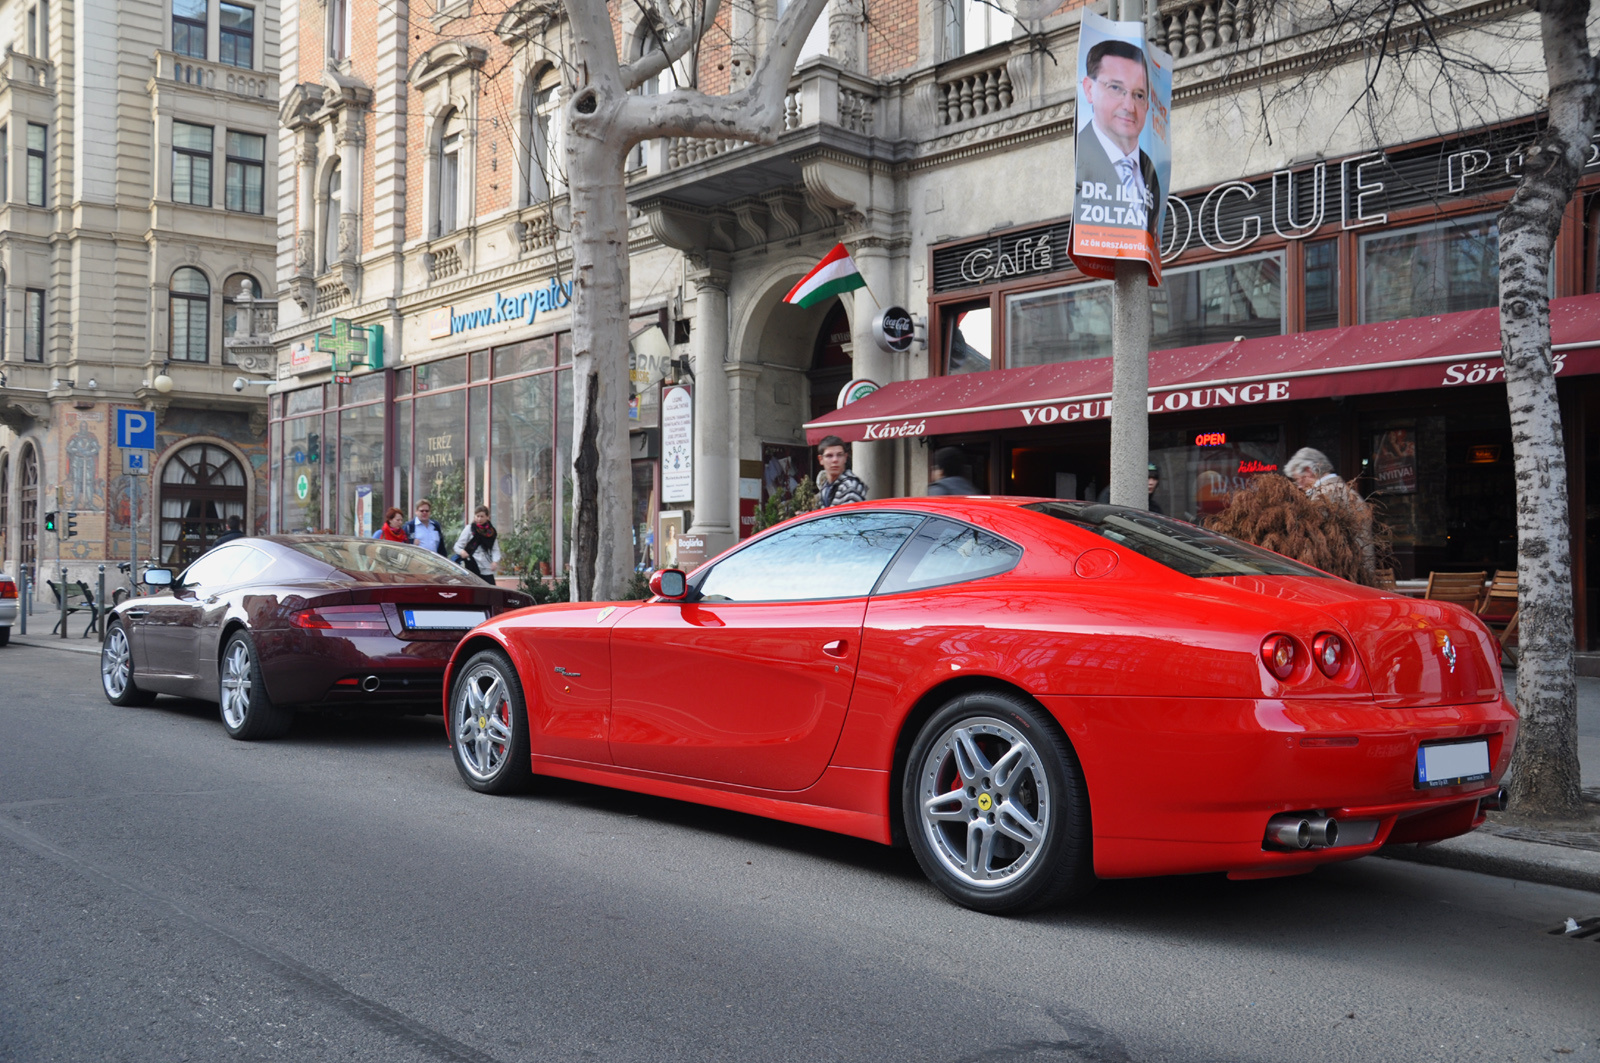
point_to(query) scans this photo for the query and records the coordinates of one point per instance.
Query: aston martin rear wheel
(247, 712)
(995, 805)
(116, 668)
(489, 725)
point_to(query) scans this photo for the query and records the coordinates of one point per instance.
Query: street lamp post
(1130, 361)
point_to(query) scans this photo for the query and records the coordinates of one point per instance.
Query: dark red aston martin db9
(267, 625)
(1031, 693)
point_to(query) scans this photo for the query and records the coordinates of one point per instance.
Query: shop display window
(522, 451)
(1060, 325)
(526, 357)
(1322, 285)
(971, 338)
(1439, 268)
(441, 456)
(478, 493)
(445, 373)
(361, 488)
(300, 486)
(1202, 467)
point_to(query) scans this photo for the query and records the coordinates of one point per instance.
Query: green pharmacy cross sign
(352, 345)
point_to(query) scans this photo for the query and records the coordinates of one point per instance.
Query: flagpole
(880, 303)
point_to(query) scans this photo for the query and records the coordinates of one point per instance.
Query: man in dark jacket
(944, 473)
(1152, 481)
(425, 531)
(836, 484)
(235, 531)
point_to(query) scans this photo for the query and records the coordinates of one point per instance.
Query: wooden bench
(80, 599)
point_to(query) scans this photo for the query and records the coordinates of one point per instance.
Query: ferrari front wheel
(489, 725)
(995, 805)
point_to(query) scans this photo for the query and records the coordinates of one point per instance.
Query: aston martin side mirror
(670, 583)
(157, 577)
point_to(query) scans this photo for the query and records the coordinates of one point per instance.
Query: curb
(1551, 865)
(70, 645)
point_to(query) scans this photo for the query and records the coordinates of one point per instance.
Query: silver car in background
(8, 606)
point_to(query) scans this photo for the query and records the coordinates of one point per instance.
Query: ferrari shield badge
(1448, 650)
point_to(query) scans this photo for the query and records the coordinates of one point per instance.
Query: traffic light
(72, 525)
(50, 521)
(313, 447)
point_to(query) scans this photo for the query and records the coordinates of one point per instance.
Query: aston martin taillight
(1278, 653)
(1330, 653)
(342, 618)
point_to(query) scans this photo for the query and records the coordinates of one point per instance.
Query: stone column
(352, 133)
(716, 516)
(305, 237)
(873, 462)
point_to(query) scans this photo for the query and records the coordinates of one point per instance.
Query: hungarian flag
(834, 275)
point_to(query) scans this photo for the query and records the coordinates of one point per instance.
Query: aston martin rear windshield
(1174, 543)
(377, 561)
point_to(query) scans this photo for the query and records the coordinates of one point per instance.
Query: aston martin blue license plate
(442, 619)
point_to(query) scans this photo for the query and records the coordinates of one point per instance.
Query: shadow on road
(331, 728)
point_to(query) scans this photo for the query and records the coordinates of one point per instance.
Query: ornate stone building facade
(137, 247)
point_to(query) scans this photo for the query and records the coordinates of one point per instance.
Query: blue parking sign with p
(136, 429)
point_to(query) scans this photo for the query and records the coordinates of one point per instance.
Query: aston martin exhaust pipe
(370, 683)
(1498, 801)
(1289, 831)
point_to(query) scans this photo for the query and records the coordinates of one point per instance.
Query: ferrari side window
(214, 568)
(829, 557)
(944, 551)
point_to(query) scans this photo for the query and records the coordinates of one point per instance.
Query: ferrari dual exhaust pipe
(370, 684)
(1290, 831)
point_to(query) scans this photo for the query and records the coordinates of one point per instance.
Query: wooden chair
(79, 600)
(1386, 579)
(1463, 588)
(1499, 609)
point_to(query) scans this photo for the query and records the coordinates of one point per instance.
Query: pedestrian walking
(425, 531)
(235, 531)
(1313, 472)
(944, 473)
(393, 530)
(836, 484)
(477, 547)
(1152, 481)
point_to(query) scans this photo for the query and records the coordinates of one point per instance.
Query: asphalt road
(170, 894)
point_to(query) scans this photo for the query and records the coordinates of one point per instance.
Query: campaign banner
(1124, 147)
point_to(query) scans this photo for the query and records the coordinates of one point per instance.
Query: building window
(201, 487)
(1430, 269)
(28, 504)
(188, 315)
(33, 327)
(542, 126)
(971, 338)
(5, 164)
(247, 153)
(449, 190)
(38, 138)
(1322, 285)
(339, 29)
(236, 35)
(976, 24)
(330, 218)
(189, 28)
(648, 43)
(191, 164)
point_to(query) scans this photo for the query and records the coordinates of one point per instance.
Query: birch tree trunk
(1545, 778)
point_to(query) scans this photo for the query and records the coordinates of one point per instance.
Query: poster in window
(1124, 149)
(1394, 462)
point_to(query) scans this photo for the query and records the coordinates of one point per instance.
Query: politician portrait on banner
(1124, 147)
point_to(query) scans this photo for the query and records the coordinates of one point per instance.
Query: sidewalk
(1555, 858)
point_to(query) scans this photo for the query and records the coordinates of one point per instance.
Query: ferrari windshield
(376, 561)
(1174, 543)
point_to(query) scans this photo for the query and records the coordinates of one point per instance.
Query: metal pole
(1130, 364)
(100, 605)
(63, 597)
(25, 602)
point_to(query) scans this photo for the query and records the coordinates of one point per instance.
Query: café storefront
(1346, 305)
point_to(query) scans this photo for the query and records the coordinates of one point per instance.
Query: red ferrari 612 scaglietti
(1031, 693)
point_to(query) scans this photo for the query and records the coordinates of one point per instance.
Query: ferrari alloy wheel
(995, 805)
(116, 669)
(247, 712)
(489, 725)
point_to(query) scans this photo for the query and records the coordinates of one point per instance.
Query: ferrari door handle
(836, 648)
(136, 614)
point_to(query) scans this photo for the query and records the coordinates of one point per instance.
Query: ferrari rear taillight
(342, 618)
(1278, 653)
(1330, 653)
(7, 589)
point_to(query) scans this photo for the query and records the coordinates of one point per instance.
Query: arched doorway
(202, 485)
(28, 510)
(831, 364)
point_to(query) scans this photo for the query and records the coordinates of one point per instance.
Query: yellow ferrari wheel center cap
(985, 802)
(483, 721)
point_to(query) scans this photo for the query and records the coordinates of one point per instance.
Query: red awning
(1450, 350)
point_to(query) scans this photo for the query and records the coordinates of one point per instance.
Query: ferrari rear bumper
(1181, 786)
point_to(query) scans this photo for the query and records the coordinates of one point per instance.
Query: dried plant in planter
(1336, 532)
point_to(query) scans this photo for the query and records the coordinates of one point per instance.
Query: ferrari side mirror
(669, 583)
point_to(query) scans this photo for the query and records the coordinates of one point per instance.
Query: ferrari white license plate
(442, 619)
(1452, 763)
